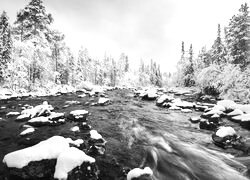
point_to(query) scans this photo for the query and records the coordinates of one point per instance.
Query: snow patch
(225, 131)
(95, 135)
(27, 131)
(137, 172)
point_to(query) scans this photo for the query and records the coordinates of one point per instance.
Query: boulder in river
(78, 115)
(224, 137)
(103, 101)
(245, 121)
(9, 114)
(52, 158)
(163, 99)
(205, 124)
(138, 173)
(195, 119)
(27, 131)
(228, 104)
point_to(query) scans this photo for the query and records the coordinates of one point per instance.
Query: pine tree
(218, 49)
(237, 37)
(5, 43)
(32, 20)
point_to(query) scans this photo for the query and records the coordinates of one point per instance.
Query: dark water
(117, 123)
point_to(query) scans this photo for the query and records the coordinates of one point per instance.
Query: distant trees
(223, 68)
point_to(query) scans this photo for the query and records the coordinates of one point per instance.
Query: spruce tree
(5, 43)
(237, 36)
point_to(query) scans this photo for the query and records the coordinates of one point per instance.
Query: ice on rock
(68, 160)
(137, 172)
(225, 131)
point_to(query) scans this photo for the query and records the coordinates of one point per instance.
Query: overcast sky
(147, 29)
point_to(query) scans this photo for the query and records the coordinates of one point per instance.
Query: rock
(137, 173)
(228, 104)
(40, 110)
(195, 119)
(95, 150)
(219, 107)
(81, 95)
(39, 121)
(205, 124)
(12, 114)
(215, 118)
(85, 126)
(75, 129)
(245, 121)
(244, 108)
(72, 102)
(52, 158)
(163, 99)
(224, 137)
(186, 110)
(200, 107)
(54, 116)
(184, 104)
(103, 101)
(27, 131)
(78, 115)
(23, 117)
(173, 107)
(235, 112)
(211, 113)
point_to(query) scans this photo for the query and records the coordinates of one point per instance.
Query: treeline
(32, 55)
(225, 67)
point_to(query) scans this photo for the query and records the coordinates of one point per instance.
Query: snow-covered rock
(103, 101)
(39, 121)
(81, 95)
(235, 112)
(75, 129)
(23, 117)
(219, 107)
(195, 119)
(40, 110)
(72, 102)
(137, 172)
(244, 108)
(186, 110)
(12, 114)
(173, 107)
(27, 131)
(228, 104)
(95, 135)
(78, 115)
(224, 131)
(163, 98)
(68, 160)
(77, 142)
(48, 149)
(56, 116)
(184, 104)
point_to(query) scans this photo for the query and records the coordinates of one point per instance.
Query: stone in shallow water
(205, 124)
(78, 115)
(163, 99)
(27, 131)
(225, 137)
(195, 119)
(103, 101)
(12, 114)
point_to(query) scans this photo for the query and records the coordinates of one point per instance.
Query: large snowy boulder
(52, 158)
(228, 104)
(224, 137)
(244, 108)
(163, 98)
(103, 101)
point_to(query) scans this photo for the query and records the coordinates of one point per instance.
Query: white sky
(147, 29)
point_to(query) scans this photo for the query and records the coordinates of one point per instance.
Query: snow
(48, 149)
(103, 100)
(213, 111)
(164, 98)
(228, 104)
(77, 142)
(23, 116)
(225, 131)
(13, 114)
(27, 131)
(235, 112)
(68, 160)
(152, 93)
(244, 107)
(174, 108)
(95, 135)
(219, 107)
(39, 119)
(137, 172)
(186, 110)
(38, 110)
(245, 117)
(79, 112)
(75, 129)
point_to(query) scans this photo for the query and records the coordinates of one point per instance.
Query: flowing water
(138, 133)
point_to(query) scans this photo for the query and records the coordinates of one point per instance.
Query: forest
(35, 56)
